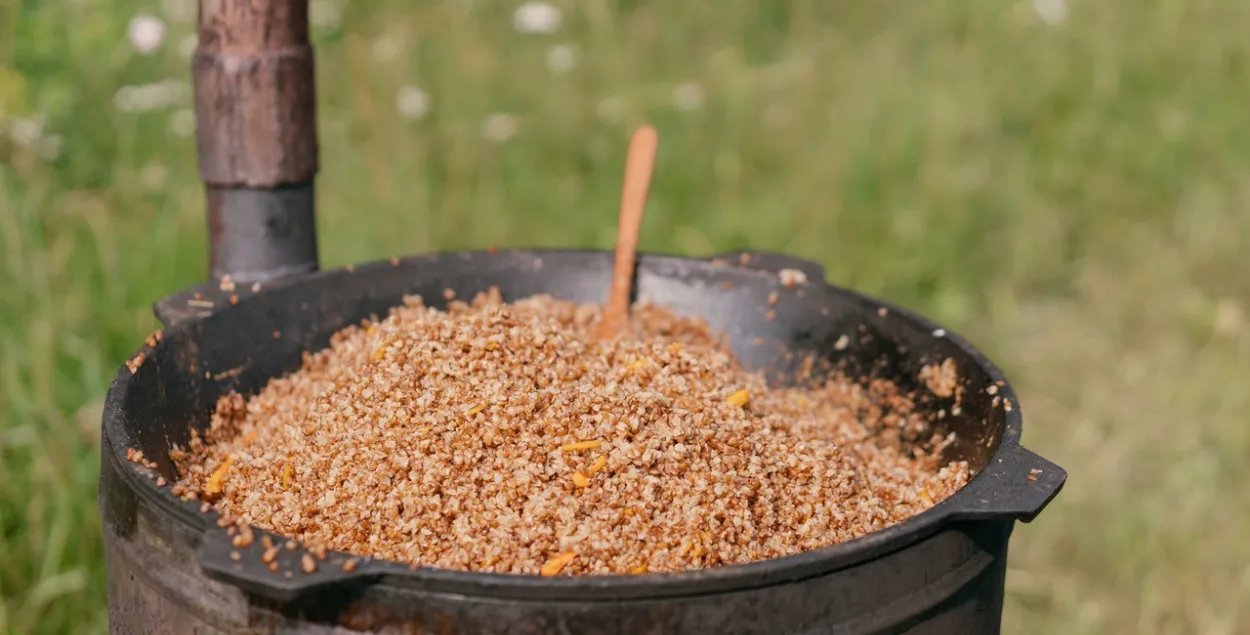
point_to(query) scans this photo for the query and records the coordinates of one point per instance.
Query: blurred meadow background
(1065, 182)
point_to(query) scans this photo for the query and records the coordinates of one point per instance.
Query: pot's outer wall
(950, 584)
(940, 573)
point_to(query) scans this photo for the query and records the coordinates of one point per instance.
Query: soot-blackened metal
(261, 234)
(172, 570)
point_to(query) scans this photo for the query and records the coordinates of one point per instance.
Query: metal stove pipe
(256, 131)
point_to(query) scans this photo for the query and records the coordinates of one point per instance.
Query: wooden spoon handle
(639, 163)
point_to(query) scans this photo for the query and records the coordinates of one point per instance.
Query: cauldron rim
(1015, 484)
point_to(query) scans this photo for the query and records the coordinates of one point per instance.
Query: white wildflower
(153, 176)
(536, 18)
(1052, 12)
(146, 33)
(182, 123)
(26, 132)
(124, 99)
(562, 58)
(149, 97)
(688, 96)
(610, 110)
(325, 14)
(174, 89)
(49, 147)
(499, 127)
(1228, 317)
(386, 48)
(187, 45)
(412, 102)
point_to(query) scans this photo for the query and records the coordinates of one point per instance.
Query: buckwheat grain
(503, 437)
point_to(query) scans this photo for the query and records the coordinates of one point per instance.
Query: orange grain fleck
(214, 483)
(554, 566)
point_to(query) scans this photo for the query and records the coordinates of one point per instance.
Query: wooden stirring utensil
(639, 163)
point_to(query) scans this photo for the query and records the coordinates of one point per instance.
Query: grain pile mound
(502, 437)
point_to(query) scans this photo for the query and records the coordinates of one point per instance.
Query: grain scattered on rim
(683, 462)
(154, 338)
(942, 379)
(792, 277)
(842, 343)
(135, 363)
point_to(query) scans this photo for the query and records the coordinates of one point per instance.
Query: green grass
(1072, 198)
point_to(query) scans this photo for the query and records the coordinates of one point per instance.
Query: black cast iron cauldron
(172, 570)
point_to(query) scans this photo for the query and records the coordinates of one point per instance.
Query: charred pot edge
(191, 304)
(1017, 484)
(770, 262)
(204, 299)
(207, 298)
(278, 572)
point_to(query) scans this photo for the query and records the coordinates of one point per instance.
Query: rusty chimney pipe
(256, 128)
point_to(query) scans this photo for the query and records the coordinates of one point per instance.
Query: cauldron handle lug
(1018, 485)
(207, 298)
(245, 567)
(770, 262)
(189, 304)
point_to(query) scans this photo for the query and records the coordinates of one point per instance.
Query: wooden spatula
(639, 163)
